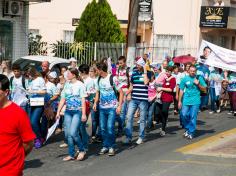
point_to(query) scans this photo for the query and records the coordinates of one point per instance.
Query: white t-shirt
(73, 93)
(37, 84)
(18, 92)
(51, 89)
(108, 97)
(17, 83)
(90, 88)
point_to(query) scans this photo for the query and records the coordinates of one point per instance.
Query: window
(69, 36)
(167, 45)
(6, 40)
(174, 41)
(223, 41)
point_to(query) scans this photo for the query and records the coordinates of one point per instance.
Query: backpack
(202, 93)
(23, 82)
(127, 75)
(112, 84)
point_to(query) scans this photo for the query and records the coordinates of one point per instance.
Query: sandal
(68, 158)
(81, 156)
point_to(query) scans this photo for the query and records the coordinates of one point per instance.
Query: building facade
(14, 28)
(173, 30)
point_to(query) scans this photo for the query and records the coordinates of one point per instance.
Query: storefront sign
(145, 10)
(145, 6)
(214, 17)
(75, 21)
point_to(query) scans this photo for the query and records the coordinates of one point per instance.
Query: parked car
(55, 63)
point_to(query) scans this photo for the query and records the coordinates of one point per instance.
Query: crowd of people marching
(116, 94)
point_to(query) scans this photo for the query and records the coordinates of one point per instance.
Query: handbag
(37, 101)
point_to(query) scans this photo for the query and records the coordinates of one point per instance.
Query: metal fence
(89, 52)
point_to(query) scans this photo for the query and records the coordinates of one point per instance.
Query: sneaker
(234, 113)
(64, 145)
(139, 141)
(176, 112)
(190, 137)
(37, 143)
(103, 151)
(111, 152)
(185, 134)
(218, 111)
(138, 122)
(230, 113)
(211, 112)
(162, 133)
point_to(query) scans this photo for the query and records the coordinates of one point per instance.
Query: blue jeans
(121, 118)
(150, 114)
(107, 124)
(44, 127)
(84, 134)
(124, 112)
(214, 99)
(96, 131)
(204, 100)
(72, 123)
(133, 106)
(26, 108)
(35, 116)
(189, 117)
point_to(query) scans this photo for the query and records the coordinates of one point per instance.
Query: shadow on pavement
(203, 132)
(35, 163)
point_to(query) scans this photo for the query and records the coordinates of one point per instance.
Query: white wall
(178, 17)
(54, 17)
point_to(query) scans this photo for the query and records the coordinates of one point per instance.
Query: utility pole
(132, 31)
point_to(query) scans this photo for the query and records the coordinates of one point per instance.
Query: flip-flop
(81, 158)
(68, 158)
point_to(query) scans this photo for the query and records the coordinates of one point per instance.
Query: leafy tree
(99, 24)
(67, 50)
(36, 45)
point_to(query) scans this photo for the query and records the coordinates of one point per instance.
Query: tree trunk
(132, 31)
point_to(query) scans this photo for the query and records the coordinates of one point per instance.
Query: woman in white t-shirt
(37, 91)
(73, 95)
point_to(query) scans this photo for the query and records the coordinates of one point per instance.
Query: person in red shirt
(167, 97)
(16, 134)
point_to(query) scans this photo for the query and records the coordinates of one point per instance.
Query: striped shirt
(140, 90)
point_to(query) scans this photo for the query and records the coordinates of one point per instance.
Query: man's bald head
(45, 66)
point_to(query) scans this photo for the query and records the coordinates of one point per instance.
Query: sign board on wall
(214, 17)
(145, 10)
(75, 21)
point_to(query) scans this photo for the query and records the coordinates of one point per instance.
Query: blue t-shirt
(232, 84)
(191, 91)
(73, 93)
(204, 70)
(215, 75)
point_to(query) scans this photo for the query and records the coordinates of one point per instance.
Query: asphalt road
(156, 157)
